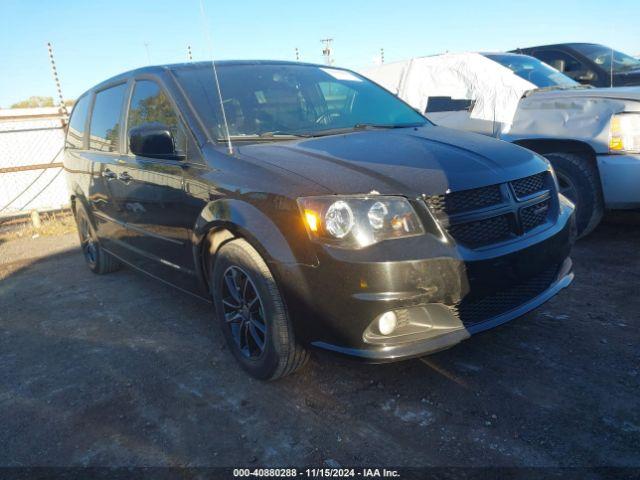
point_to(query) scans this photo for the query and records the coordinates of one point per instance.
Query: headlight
(357, 222)
(624, 133)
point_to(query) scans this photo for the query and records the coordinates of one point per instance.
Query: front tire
(252, 314)
(579, 181)
(98, 261)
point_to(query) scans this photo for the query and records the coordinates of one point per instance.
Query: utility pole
(54, 70)
(297, 55)
(327, 50)
(381, 56)
(146, 47)
(189, 56)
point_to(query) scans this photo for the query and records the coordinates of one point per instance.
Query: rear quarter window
(75, 134)
(105, 119)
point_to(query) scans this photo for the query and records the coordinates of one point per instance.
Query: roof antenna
(215, 76)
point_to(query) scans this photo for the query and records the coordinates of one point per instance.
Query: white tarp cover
(469, 76)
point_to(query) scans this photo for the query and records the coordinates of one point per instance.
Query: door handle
(108, 174)
(125, 177)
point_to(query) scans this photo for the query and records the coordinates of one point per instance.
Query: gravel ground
(121, 370)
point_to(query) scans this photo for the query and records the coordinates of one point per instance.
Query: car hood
(617, 93)
(410, 161)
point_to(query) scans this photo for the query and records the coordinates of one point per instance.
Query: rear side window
(149, 104)
(105, 120)
(75, 134)
(448, 104)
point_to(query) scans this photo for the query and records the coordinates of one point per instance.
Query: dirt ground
(121, 370)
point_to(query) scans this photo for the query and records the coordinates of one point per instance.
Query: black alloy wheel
(252, 313)
(244, 312)
(98, 260)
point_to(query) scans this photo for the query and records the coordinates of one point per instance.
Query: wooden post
(35, 219)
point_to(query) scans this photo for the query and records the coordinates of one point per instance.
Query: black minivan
(313, 208)
(589, 63)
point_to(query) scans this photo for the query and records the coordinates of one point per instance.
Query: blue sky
(94, 39)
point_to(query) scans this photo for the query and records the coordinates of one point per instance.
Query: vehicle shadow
(122, 370)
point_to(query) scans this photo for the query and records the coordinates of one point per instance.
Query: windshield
(275, 100)
(534, 71)
(601, 56)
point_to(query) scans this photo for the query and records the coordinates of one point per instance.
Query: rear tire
(580, 182)
(98, 261)
(252, 314)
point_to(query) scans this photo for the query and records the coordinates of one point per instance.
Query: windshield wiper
(265, 136)
(282, 135)
(557, 87)
(362, 126)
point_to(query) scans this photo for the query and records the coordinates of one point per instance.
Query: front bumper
(460, 292)
(452, 330)
(620, 176)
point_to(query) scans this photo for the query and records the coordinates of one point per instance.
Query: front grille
(529, 185)
(465, 200)
(473, 311)
(535, 215)
(483, 232)
(467, 217)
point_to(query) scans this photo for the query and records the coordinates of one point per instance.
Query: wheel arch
(544, 146)
(224, 220)
(76, 196)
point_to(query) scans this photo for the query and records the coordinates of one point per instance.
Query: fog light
(387, 323)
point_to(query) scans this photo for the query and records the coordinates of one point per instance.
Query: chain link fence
(31, 174)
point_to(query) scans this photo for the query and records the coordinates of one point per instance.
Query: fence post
(35, 219)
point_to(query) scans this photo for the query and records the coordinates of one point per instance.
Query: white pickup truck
(590, 135)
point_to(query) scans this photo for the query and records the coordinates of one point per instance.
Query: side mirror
(153, 140)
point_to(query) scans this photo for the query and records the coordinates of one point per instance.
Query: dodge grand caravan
(314, 209)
